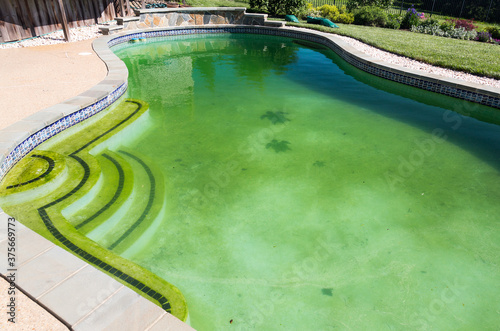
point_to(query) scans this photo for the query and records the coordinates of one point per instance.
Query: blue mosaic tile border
(421, 83)
(60, 125)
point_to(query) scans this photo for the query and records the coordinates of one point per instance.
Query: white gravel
(416, 65)
(89, 32)
(57, 37)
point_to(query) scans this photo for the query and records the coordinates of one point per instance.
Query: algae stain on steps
(61, 171)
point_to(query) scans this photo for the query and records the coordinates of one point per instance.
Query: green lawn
(218, 3)
(469, 56)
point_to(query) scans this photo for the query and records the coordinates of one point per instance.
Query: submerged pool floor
(298, 193)
(298, 197)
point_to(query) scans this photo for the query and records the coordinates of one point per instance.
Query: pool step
(110, 29)
(121, 20)
(133, 218)
(43, 174)
(110, 192)
(276, 24)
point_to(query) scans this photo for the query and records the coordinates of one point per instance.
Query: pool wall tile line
(76, 292)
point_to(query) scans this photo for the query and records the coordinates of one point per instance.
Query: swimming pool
(292, 190)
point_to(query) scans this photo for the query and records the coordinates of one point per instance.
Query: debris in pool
(275, 116)
(278, 146)
(319, 164)
(178, 160)
(231, 321)
(134, 40)
(327, 291)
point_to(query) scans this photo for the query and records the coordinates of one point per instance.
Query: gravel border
(417, 65)
(56, 37)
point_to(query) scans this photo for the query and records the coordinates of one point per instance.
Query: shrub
(310, 10)
(435, 30)
(275, 7)
(412, 18)
(335, 15)
(495, 32)
(373, 16)
(258, 4)
(328, 11)
(293, 7)
(429, 22)
(428, 29)
(346, 18)
(466, 24)
(447, 26)
(462, 33)
(483, 36)
(355, 4)
(393, 21)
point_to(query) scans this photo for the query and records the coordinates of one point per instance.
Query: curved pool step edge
(114, 190)
(147, 204)
(111, 229)
(56, 228)
(76, 292)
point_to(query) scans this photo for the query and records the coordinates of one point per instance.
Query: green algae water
(299, 193)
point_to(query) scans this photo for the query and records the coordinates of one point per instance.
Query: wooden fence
(20, 19)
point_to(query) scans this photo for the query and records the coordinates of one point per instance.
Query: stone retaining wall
(192, 16)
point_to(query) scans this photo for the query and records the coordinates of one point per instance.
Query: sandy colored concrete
(32, 79)
(35, 78)
(29, 315)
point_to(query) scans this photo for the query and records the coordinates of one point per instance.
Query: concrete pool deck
(34, 78)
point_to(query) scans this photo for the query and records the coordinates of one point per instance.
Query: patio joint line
(155, 321)
(63, 280)
(99, 305)
(37, 255)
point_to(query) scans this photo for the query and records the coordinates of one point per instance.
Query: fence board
(11, 28)
(34, 16)
(105, 10)
(88, 12)
(53, 15)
